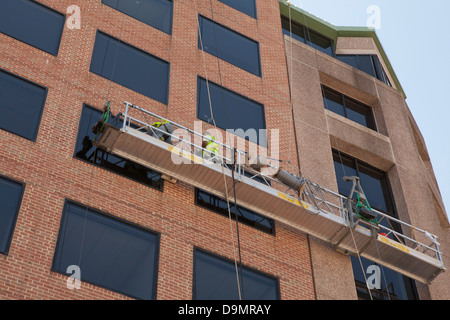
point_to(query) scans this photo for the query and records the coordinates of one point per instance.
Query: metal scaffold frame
(307, 206)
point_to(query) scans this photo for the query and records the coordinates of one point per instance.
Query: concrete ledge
(360, 142)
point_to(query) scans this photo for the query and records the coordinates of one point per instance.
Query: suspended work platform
(306, 206)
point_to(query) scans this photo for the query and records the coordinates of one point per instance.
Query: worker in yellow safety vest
(157, 125)
(211, 146)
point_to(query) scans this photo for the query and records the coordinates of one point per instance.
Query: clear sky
(415, 36)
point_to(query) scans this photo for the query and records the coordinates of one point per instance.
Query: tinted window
(365, 64)
(229, 45)
(84, 150)
(349, 108)
(246, 216)
(373, 181)
(156, 13)
(130, 67)
(306, 35)
(10, 199)
(319, 42)
(32, 23)
(370, 64)
(349, 59)
(398, 286)
(21, 105)
(358, 113)
(215, 279)
(333, 102)
(376, 187)
(344, 167)
(297, 31)
(246, 6)
(110, 253)
(381, 74)
(231, 111)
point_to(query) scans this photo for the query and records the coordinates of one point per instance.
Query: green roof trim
(333, 32)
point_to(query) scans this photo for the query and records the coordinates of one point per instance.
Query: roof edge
(333, 32)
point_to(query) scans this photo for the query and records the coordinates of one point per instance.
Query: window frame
(255, 16)
(307, 32)
(367, 111)
(41, 113)
(120, 220)
(391, 207)
(263, 109)
(358, 164)
(202, 44)
(243, 220)
(74, 156)
(381, 73)
(64, 15)
(171, 17)
(378, 69)
(121, 42)
(227, 260)
(16, 214)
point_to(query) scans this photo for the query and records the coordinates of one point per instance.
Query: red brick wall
(52, 174)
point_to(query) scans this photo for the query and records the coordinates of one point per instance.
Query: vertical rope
(308, 35)
(95, 153)
(234, 159)
(222, 164)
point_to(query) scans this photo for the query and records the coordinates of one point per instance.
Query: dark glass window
(334, 102)
(319, 42)
(11, 193)
(398, 287)
(365, 63)
(215, 279)
(246, 216)
(370, 64)
(351, 60)
(109, 252)
(229, 45)
(375, 183)
(246, 6)
(298, 31)
(84, 150)
(349, 108)
(306, 35)
(231, 111)
(130, 67)
(21, 105)
(32, 23)
(379, 70)
(155, 13)
(344, 166)
(359, 113)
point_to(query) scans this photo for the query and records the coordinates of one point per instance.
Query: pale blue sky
(415, 36)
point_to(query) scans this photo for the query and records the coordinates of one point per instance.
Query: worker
(156, 133)
(165, 129)
(159, 124)
(212, 148)
(100, 124)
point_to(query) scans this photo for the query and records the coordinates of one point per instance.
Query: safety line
(222, 164)
(234, 158)
(94, 152)
(308, 35)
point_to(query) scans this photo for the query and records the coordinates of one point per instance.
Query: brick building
(133, 231)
